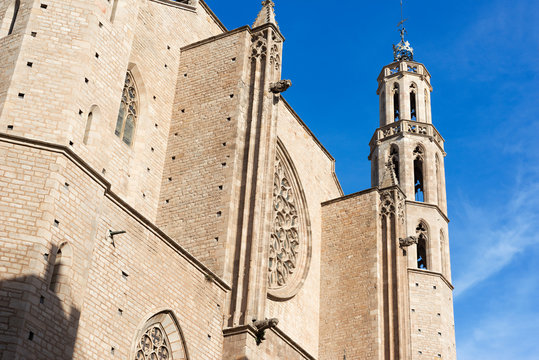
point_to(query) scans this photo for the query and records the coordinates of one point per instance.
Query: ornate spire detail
(266, 15)
(403, 50)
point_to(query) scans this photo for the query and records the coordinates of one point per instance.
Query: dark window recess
(396, 105)
(418, 174)
(421, 232)
(413, 111)
(394, 158)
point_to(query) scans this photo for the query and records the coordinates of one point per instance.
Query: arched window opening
(426, 106)
(374, 171)
(422, 239)
(413, 111)
(160, 338)
(396, 106)
(394, 158)
(10, 18)
(60, 274)
(419, 156)
(438, 181)
(383, 107)
(127, 115)
(88, 127)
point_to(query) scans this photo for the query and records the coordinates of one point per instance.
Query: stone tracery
(285, 238)
(153, 345)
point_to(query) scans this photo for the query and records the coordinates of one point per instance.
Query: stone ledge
(433, 273)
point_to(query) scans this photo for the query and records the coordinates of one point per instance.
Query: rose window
(153, 345)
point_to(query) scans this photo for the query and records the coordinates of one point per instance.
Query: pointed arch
(419, 172)
(60, 282)
(10, 18)
(94, 116)
(291, 239)
(396, 105)
(422, 233)
(160, 336)
(427, 113)
(413, 101)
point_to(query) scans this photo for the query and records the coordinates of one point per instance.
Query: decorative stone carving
(259, 46)
(409, 241)
(387, 203)
(275, 58)
(290, 238)
(285, 240)
(400, 206)
(261, 326)
(153, 345)
(280, 86)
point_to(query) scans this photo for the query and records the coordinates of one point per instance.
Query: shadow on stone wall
(35, 323)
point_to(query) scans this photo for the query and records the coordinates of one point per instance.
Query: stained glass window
(153, 345)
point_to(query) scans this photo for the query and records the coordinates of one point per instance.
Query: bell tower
(407, 151)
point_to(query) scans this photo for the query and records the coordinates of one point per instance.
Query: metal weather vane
(403, 50)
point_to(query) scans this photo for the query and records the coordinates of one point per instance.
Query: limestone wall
(50, 197)
(350, 278)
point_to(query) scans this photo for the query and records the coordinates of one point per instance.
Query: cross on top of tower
(403, 50)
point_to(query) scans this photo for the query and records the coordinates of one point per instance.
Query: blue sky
(484, 60)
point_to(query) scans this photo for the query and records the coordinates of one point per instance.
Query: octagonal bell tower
(407, 151)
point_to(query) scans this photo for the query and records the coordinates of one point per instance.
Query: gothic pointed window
(422, 240)
(413, 111)
(153, 344)
(290, 240)
(442, 250)
(426, 106)
(419, 189)
(160, 338)
(438, 181)
(394, 158)
(128, 113)
(396, 106)
(60, 279)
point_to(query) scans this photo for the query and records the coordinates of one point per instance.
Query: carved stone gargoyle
(280, 86)
(409, 241)
(261, 326)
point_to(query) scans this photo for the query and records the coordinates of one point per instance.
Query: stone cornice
(115, 198)
(427, 205)
(350, 196)
(433, 273)
(250, 330)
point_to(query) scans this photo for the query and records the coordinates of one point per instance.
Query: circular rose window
(290, 242)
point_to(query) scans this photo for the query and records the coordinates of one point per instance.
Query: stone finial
(390, 178)
(280, 86)
(266, 15)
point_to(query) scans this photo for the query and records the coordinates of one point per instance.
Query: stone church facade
(161, 200)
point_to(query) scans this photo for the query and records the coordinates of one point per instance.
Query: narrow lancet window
(422, 239)
(413, 111)
(438, 181)
(426, 106)
(60, 273)
(396, 106)
(88, 127)
(419, 156)
(394, 158)
(127, 115)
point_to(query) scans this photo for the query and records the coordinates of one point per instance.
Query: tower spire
(266, 15)
(403, 50)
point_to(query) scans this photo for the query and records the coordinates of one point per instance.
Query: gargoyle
(261, 326)
(409, 241)
(280, 86)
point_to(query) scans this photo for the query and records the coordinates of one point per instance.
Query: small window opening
(60, 274)
(418, 174)
(10, 18)
(426, 106)
(422, 238)
(127, 115)
(438, 181)
(413, 111)
(113, 11)
(394, 158)
(396, 113)
(88, 127)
